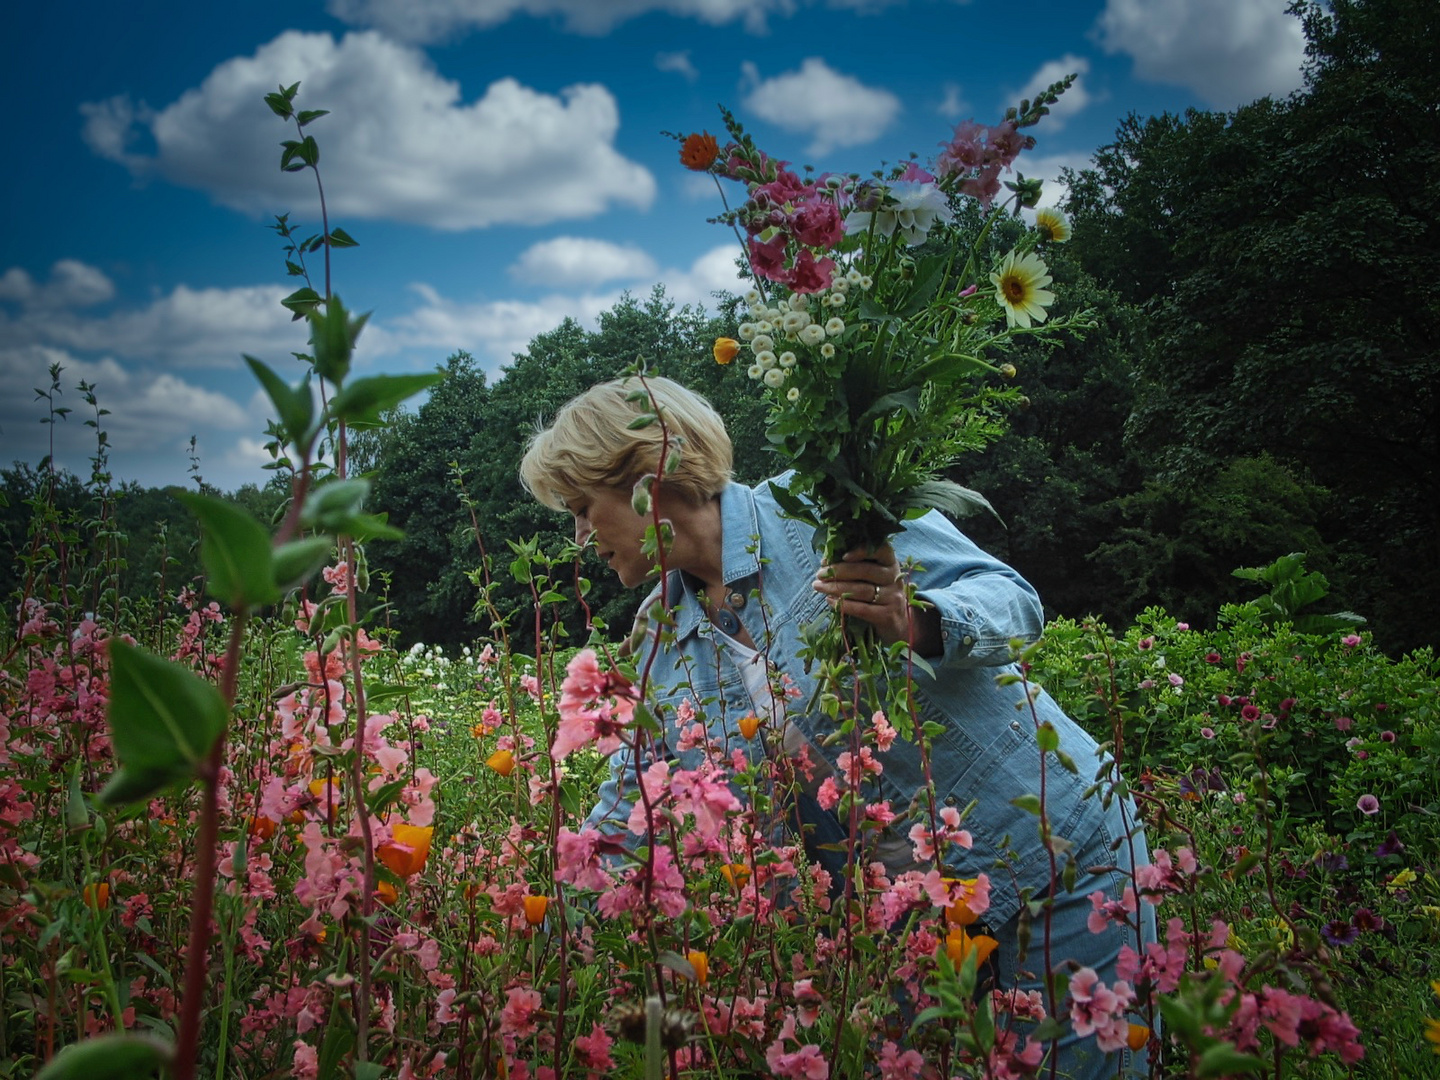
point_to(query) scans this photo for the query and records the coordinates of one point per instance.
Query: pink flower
(1350, 640)
(807, 1063)
(1342, 723)
(809, 274)
(306, 1063)
(768, 258)
(518, 1017)
(1368, 805)
(895, 1065)
(884, 732)
(593, 1050)
(595, 706)
(818, 223)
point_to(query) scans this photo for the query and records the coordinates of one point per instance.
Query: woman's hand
(868, 585)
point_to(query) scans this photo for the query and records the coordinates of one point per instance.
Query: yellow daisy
(1020, 289)
(1052, 225)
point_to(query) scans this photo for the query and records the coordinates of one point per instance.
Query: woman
(743, 581)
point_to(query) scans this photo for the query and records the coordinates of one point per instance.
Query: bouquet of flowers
(872, 318)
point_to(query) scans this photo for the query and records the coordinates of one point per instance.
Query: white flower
(813, 334)
(747, 331)
(761, 343)
(840, 285)
(752, 297)
(853, 276)
(835, 300)
(799, 302)
(756, 372)
(764, 326)
(766, 359)
(774, 378)
(795, 321)
(793, 394)
(913, 211)
(827, 350)
(866, 282)
(787, 359)
(835, 327)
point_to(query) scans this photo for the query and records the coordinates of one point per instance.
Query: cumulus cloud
(678, 62)
(408, 149)
(953, 104)
(832, 108)
(1071, 102)
(150, 411)
(186, 327)
(574, 260)
(72, 284)
(434, 20)
(1230, 52)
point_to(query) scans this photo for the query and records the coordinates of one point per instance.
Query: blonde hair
(591, 444)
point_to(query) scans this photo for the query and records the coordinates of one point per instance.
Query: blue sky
(500, 162)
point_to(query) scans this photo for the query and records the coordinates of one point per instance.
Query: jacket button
(967, 640)
(1014, 725)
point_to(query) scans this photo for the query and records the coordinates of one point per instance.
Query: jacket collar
(740, 557)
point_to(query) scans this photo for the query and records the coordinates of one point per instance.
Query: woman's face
(605, 516)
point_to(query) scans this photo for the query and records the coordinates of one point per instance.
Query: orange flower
(406, 853)
(385, 892)
(749, 725)
(959, 945)
(1138, 1036)
(726, 349)
(699, 152)
(737, 874)
(701, 963)
(97, 897)
(327, 796)
(535, 909)
(502, 761)
(959, 913)
(262, 828)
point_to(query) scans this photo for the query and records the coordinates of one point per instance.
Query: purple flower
(1339, 932)
(1387, 736)
(1391, 845)
(1368, 805)
(1212, 658)
(1350, 640)
(1342, 723)
(1365, 919)
(1207, 733)
(1176, 680)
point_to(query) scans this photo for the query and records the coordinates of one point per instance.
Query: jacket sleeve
(983, 604)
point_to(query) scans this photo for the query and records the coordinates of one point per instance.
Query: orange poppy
(535, 907)
(699, 151)
(502, 761)
(959, 945)
(737, 874)
(701, 963)
(959, 913)
(262, 828)
(726, 349)
(1138, 1036)
(97, 897)
(749, 725)
(406, 853)
(385, 892)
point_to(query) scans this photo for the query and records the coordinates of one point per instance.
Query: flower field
(457, 921)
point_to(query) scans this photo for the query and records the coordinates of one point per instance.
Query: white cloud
(678, 62)
(187, 327)
(400, 143)
(574, 260)
(1230, 52)
(953, 105)
(72, 284)
(432, 20)
(1071, 101)
(832, 108)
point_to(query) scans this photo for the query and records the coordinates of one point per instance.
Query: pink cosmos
(1350, 640)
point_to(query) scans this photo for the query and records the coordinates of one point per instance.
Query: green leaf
(128, 785)
(339, 238)
(333, 334)
(235, 551)
(293, 563)
(304, 116)
(1047, 737)
(163, 717)
(947, 497)
(302, 301)
(365, 399)
(1029, 803)
(334, 502)
(383, 797)
(293, 405)
(123, 1057)
(1222, 1059)
(368, 1070)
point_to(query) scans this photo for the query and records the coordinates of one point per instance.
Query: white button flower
(793, 394)
(766, 359)
(835, 327)
(795, 321)
(799, 302)
(756, 372)
(840, 285)
(774, 378)
(827, 350)
(853, 276)
(813, 334)
(753, 297)
(747, 331)
(762, 342)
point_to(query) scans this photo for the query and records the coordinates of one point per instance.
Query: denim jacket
(986, 752)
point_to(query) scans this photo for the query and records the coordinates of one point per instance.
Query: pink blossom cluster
(790, 223)
(978, 153)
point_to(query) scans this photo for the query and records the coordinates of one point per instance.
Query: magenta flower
(1368, 805)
